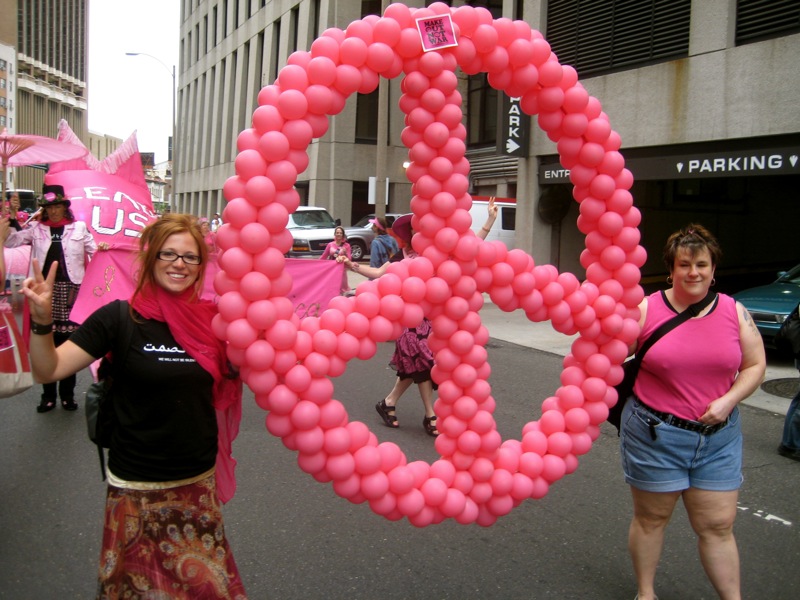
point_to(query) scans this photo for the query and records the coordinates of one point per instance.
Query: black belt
(686, 424)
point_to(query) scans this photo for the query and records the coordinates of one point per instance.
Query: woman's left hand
(103, 246)
(716, 412)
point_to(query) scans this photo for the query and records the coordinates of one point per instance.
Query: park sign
(515, 126)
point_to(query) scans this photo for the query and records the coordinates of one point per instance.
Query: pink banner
(114, 210)
(110, 276)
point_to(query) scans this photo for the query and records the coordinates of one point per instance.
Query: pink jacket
(78, 244)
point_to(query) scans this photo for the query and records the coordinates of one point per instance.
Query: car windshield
(312, 219)
(792, 276)
(364, 221)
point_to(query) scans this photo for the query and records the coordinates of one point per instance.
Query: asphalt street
(294, 539)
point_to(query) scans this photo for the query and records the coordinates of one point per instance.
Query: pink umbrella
(19, 150)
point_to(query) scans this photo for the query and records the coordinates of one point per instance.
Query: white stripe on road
(764, 515)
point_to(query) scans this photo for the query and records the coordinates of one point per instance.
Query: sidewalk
(515, 328)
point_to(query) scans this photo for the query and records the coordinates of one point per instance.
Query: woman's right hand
(39, 292)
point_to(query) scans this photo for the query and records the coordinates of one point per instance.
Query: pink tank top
(694, 363)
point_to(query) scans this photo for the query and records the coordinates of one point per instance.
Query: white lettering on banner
(734, 164)
(94, 193)
(106, 230)
(137, 219)
(134, 217)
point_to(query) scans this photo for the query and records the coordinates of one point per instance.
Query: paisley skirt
(166, 544)
(412, 357)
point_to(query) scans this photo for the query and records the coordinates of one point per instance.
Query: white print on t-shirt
(173, 350)
(163, 348)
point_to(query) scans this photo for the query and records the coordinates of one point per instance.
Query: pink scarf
(61, 223)
(189, 323)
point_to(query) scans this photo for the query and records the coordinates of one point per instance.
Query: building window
(600, 36)
(367, 118)
(762, 19)
(482, 107)
(2, 65)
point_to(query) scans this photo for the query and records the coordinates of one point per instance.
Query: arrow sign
(515, 125)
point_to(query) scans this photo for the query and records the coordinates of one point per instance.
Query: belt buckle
(707, 429)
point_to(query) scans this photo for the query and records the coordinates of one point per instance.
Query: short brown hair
(694, 238)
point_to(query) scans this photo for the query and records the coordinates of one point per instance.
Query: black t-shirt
(167, 426)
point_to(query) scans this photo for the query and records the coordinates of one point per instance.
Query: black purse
(631, 367)
(101, 417)
(788, 337)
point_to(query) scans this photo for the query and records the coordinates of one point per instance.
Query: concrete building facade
(702, 92)
(51, 44)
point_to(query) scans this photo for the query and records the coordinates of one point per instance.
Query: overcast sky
(133, 93)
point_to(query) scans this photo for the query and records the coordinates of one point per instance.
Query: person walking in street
(790, 441)
(681, 435)
(412, 358)
(177, 407)
(59, 239)
(216, 223)
(209, 237)
(383, 247)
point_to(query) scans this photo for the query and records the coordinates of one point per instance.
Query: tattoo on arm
(749, 320)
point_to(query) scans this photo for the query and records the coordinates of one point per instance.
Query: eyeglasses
(169, 256)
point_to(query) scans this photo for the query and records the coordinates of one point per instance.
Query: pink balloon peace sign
(289, 363)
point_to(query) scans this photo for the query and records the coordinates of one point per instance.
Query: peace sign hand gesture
(39, 292)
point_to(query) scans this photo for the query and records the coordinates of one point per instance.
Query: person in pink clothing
(338, 247)
(59, 239)
(681, 435)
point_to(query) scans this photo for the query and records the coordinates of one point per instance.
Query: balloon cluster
(289, 363)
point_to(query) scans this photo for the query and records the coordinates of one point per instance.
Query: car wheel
(357, 250)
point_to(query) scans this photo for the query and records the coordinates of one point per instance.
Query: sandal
(46, 405)
(387, 413)
(429, 423)
(69, 404)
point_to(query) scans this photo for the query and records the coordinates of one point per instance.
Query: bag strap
(692, 311)
(123, 344)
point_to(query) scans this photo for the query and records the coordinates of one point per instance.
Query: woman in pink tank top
(681, 435)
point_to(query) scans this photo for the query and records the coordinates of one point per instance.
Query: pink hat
(377, 224)
(402, 228)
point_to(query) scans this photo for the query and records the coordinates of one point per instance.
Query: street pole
(173, 154)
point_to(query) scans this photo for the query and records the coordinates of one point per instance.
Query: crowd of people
(681, 432)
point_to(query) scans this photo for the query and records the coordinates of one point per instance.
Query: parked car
(312, 229)
(770, 305)
(360, 235)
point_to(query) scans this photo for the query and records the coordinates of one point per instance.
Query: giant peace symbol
(289, 364)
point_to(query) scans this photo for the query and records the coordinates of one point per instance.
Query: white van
(504, 227)
(312, 229)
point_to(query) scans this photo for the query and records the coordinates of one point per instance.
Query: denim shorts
(678, 459)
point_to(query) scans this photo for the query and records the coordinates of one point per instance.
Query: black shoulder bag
(788, 336)
(631, 367)
(100, 415)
